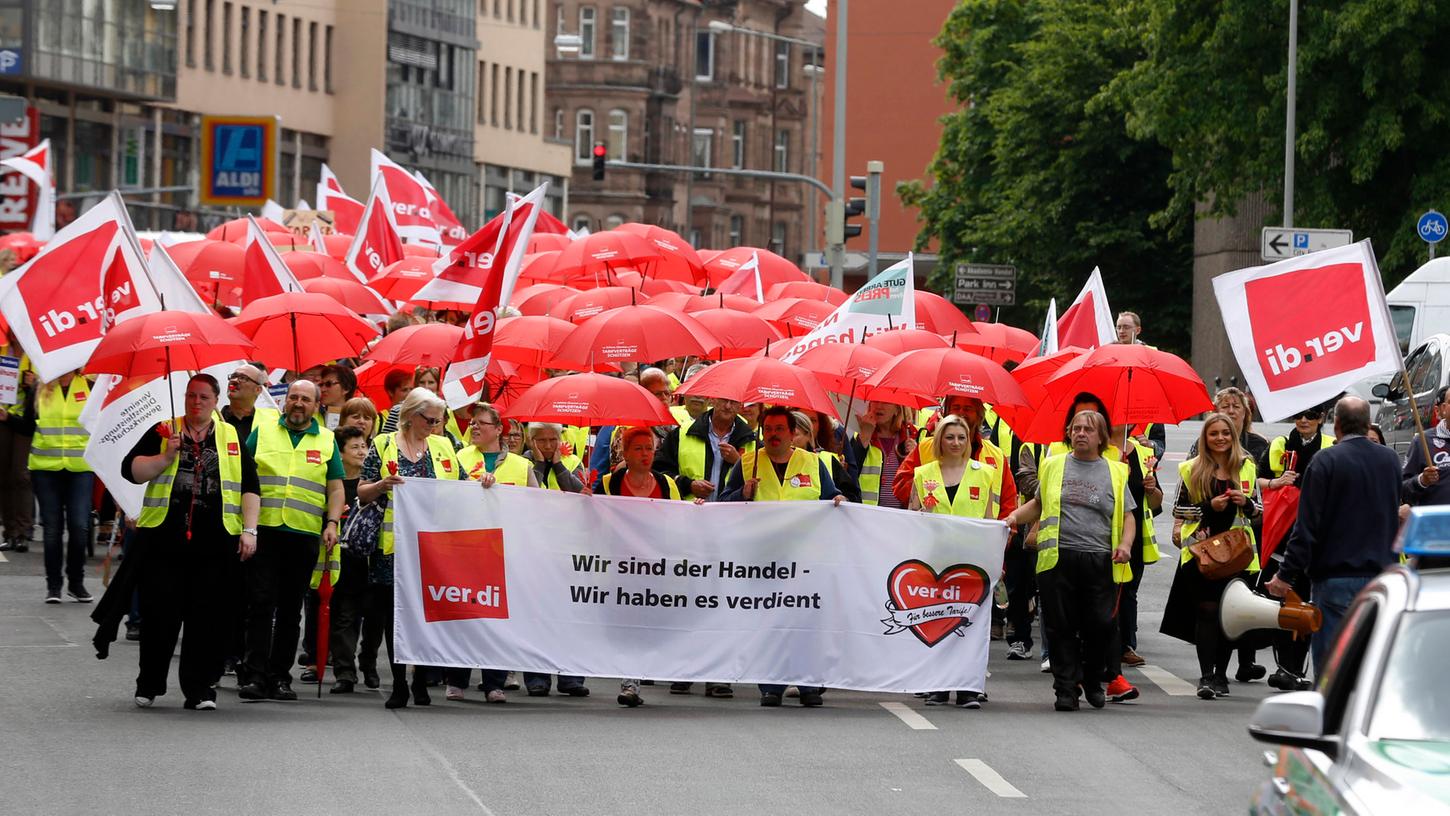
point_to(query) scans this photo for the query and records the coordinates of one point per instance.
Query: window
(191, 33)
(737, 231)
(312, 56)
(737, 147)
(782, 151)
(559, 19)
(226, 38)
(296, 52)
(519, 102)
(586, 32)
(327, 60)
(482, 82)
(584, 136)
(619, 33)
(508, 98)
(782, 65)
(206, 51)
(523, 12)
(245, 63)
(533, 101)
(704, 55)
(700, 154)
(695, 238)
(777, 238)
(262, 45)
(493, 95)
(618, 134)
(510, 15)
(558, 123)
(581, 223)
(535, 15)
(613, 220)
(278, 57)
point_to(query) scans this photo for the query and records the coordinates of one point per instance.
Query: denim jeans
(1333, 597)
(65, 510)
(766, 688)
(490, 679)
(534, 680)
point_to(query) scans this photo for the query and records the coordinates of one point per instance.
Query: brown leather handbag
(1224, 555)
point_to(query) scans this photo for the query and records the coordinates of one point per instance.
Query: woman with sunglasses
(1289, 455)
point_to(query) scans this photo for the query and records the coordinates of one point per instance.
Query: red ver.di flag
(1304, 329)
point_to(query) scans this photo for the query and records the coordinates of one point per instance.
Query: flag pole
(1415, 412)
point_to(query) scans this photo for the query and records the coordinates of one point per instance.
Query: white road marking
(3, 559)
(1171, 684)
(913, 720)
(448, 767)
(990, 779)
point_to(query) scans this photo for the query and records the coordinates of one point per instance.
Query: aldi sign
(238, 160)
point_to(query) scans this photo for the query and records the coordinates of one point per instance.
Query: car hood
(1404, 776)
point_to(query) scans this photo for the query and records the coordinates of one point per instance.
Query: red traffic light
(599, 151)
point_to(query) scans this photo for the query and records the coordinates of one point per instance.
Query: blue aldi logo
(11, 62)
(239, 156)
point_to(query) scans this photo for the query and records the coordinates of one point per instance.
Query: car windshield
(1412, 703)
(1404, 320)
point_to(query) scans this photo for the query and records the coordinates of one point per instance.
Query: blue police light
(1426, 532)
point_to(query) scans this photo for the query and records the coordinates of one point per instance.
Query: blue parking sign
(239, 160)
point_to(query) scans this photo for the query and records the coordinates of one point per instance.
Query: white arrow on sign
(850, 260)
(1278, 243)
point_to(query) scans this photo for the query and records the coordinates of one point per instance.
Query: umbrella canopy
(1138, 384)
(998, 342)
(639, 334)
(24, 244)
(298, 330)
(590, 399)
(897, 341)
(761, 379)
(795, 316)
(600, 254)
(349, 293)
(923, 376)
(431, 344)
(741, 334)
(538, 267)
(420, 251)
(503, 380)
(546, 242)
(699, 303)
(653, 285)
(540, 298)
(678, 260)
(337, 244)
(581, 306)
(307, 264)
(842, 367)
(806, 289)
(938, 315)
(159, 343)
(401, 279)
(1042, 420)
(773, 268)
(530, 339)
(283, 241)
(210, 262)
(237, 229)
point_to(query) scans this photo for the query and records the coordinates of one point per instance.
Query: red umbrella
(584, 305)
(938, 315)
(1138, 384)
(998, 342)
(502, 382)
(678, 260)
(741, 334)
(400, 280)
(842, 367)
(159, 343)
(337, 244)
(761, 379)
(546, 242)
(309, 265)
(278, 324)
(699, 303)
(547, 224)
(806, 289)
(540, 298)
(23, 244)
(538, 267)
(530, 339)
(773, 268)
(324, 616)
(590, 399)
(237, 227)
(601, 254)
(431, 344)
(210, 262)
(923, 376)
(897, 341)
(420, 251)
(283, 241)
(1041, 421)
(795, 316)
(349, 293)
(634, 334)
(653, 286)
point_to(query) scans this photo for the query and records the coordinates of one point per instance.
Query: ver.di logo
(932, 605)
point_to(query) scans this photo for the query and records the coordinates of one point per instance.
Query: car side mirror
(1295, 719)
(1381, 390)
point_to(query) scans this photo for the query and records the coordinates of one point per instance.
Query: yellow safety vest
(332, 565)
(578, 439)
(157, 500)
(294, 480)
(1248, 477)
(1001, 435)
(571, 463)
(445, 466)
(988, 454)
(976, 493)
(1146, 533)
(669, 490)
(60, 439)
(802, 477)
(681, 415)
(1278, 451)
(508, 468)
(690, 455)
(1049, 493)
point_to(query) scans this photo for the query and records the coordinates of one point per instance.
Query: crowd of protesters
(248, 508)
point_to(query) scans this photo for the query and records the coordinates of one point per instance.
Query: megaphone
(1242, 610)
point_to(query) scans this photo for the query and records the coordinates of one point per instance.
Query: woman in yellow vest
(486, 459)
(414, 451)
(1218, 491)
(1084, 542)
(199, 513)
(815, 438)
(955, 484)
(886, 438)
(430, 377)
(553, 469)
(62, 482)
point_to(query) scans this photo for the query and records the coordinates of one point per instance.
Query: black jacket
(1349, 506)
(1438, 493)
(667, 461)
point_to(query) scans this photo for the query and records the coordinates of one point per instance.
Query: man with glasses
(243, 387)
(301, 472)
(338, 384)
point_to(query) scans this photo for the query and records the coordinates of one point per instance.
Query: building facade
(656, 83)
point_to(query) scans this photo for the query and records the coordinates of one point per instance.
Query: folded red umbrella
(938, 315)
(1136, 383)
(589, 399)
(773, 269)
(431, 344)
(400, 280)
(639, 334)
(540, 298)
(741, 334)
(761, 379)
(806, 289)
(921, 377)
(678, 260)
(349, 293)
(159, 343)
(842, 367)
(298, 330)
(308, 264)
(601, 254)
(999, 342)
(896, 341)
(795, 316)
(581, 306)
(237, 229)
(698, 303)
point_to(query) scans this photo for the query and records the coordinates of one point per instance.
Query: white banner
(1305, 329)
(803, 593)
(887, 302)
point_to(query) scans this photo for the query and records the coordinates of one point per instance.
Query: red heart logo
(914, 585)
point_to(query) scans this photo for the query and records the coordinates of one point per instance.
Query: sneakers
(969, 699)
(939, 698)
(1133, 659)
(812, 699)
(144, 702)
(629, 698)
(52, 596)
(455, 694)
(1017, 650)
(538, 691)
(496, 696)
(770, 700)
(252, 691)
(1065, 702)
(1219, 684)
(680, 688)
(1249, 672)
(7, 545)
(1205, 689)
(511, 681)
(720, 690)
(579, 690)
(1046, 666)
(283, 692)
(1121, 691)
(199, 705)
(79, 594)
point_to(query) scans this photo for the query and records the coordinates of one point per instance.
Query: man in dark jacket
(1422, 485)
(1348, 516)
(700, 456)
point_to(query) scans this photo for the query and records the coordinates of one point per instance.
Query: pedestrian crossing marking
(913, 720)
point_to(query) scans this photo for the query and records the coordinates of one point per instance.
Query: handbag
(364, 526)
(1224, 555)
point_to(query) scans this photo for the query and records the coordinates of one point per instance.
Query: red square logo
(233, 449)
(463, 575)
(80, 396)
(976, 492)
(448, 465)
(314, 457)
(1299, 343)
(803, 480)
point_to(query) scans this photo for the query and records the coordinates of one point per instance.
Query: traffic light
(600, 150)
(855, 206)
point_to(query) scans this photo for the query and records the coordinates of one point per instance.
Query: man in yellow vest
(1128, 326)
(244, 385)
(300, 471)
(63, 483)
(700, 455)
(1084, 544)
(784, 473)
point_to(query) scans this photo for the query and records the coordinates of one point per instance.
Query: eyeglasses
(432, 421)
(483, 423)
(328, 383)
(515, 435)
(1307, 415)
(242, 378)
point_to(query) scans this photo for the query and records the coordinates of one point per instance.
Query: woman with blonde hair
(886, 438)
(1218, 491)
(360, 413)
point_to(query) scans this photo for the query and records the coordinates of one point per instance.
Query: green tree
(1038, 169)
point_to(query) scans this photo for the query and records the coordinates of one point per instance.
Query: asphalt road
(75, 743)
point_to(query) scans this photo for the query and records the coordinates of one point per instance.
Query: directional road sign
(850, 260)
(988, 284)
(1278, 243)
(1432, 227)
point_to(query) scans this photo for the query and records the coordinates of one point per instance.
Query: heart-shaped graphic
(914, 585)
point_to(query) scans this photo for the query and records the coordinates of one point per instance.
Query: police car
(1374, 738)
